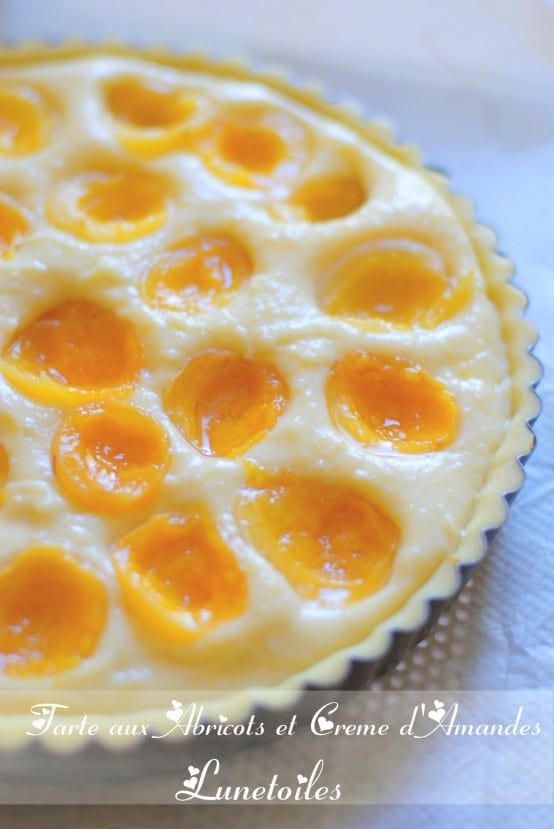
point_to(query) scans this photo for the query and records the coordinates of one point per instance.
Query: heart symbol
(190, 783)
(175, 715)
(223, 718)
(301, 778)
(193, 771)
(39, 724)
(324, 724)
(44, 711)
(176, 704)
(439, 713)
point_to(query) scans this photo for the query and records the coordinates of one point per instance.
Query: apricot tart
(264, 382)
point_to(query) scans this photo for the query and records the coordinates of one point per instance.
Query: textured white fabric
(472, 82)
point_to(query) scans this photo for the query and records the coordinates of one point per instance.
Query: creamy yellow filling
(251, 380)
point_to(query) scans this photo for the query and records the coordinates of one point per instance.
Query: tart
(264, 384)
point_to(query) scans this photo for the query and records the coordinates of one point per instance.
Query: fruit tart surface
(263, 381)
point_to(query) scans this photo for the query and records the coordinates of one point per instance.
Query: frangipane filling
(247, 363)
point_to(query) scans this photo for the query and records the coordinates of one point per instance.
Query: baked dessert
(264, 383)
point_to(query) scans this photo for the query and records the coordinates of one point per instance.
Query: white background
(473, 84)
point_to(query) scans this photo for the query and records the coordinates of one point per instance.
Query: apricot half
(178, 579)
(329, 197)
(110, 457)
(13, 226)
(25, 119)
(333, 545)
(4, 470)
(153, 117)
(224, 402)
(393, 280)
(52, 612)
(391, 401)
(73, 352)
(256, 145)
(112, 205)
(196, 272)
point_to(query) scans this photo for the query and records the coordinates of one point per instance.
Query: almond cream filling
(276, 315)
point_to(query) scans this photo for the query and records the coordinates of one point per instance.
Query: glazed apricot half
(178, 578)
(224, 402)
(13, 226)
(26, 119)
(392, 402)
(395, 281)
(52, 613)
(255, 145)
(4, 470)
(109, 205)
(329, 197)
(73, 352)
(153, 117)
(196, 272)
(110, 457)
(333, 545)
